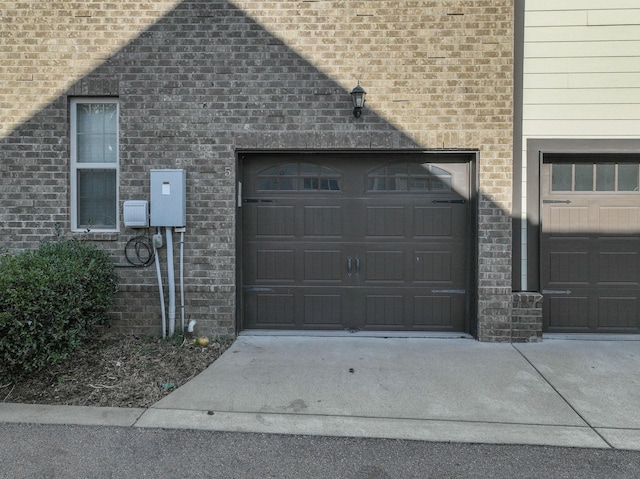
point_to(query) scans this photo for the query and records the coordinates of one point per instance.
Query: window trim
(75, 166)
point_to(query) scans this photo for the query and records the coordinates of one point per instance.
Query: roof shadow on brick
(207, 74)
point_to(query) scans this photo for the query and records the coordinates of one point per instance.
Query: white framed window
(94, 164)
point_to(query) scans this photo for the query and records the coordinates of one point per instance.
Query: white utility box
(135, 214)
(168, 197)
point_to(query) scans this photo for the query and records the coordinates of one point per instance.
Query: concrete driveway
(577, 393)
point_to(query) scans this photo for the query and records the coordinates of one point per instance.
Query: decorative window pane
(94, 164)
(628, 177)
(309, 183)
(377, 184)
(409, 177)
(440, 183)
(561, 175)
(282, 170)
(288, 184)
(419, 183)
(268, 184)
(308, 169)
(329, 184)
(584, 177)
(606, 177)
(299, 177)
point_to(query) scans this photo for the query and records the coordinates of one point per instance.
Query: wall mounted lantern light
(357, 95)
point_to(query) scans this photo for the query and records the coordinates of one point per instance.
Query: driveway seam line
(562, 396)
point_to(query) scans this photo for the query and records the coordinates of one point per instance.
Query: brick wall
(198, 80)
(527, 317)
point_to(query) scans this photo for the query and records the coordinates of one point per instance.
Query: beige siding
(581, 68)
(562, 5)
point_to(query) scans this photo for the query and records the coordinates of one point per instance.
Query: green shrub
(49, 300)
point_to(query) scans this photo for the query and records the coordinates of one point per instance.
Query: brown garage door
(336, 243)
(590, 245)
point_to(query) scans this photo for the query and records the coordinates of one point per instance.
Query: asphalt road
(50, 451)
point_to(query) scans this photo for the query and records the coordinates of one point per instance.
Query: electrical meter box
(136, 213)
(168, 198)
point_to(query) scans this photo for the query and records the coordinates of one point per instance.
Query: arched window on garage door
(409, 177)
(299, 177)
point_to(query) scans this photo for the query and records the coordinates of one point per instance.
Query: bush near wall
(49, 300)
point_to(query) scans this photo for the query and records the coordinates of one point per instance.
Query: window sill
(96, 235)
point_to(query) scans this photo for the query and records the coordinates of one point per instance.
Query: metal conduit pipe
(171, 282)
(159, 274)
(182, 280)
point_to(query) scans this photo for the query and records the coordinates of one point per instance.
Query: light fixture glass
(358, 96)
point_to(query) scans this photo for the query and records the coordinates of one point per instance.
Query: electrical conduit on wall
(171, 282)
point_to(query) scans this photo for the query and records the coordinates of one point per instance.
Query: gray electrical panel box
(168, 198)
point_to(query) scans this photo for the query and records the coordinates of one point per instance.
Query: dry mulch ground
(116, 370)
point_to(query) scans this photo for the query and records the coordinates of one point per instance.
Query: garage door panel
(323, 310)
(614, 221)
(436, 221)
(433, 266)
(275, 221)
(568, 267)
(617, 312)
(567, 313)
(618, 267)
(275, 265)
(322, 265)
(442, 312)
(385, 311)
(323, 221)
(272, 309)
(384, 266)
(569, 221)
(385, 221)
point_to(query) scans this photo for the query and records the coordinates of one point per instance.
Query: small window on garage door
(595, 177)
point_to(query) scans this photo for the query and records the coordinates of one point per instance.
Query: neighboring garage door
(590, 244)
(341, 243)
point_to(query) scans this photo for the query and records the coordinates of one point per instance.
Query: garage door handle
(556, 291)
(459, 202)
(357, 265)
